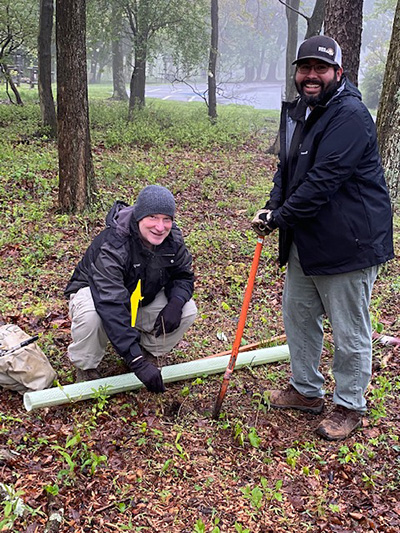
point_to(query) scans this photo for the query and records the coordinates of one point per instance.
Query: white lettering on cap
(329, 51)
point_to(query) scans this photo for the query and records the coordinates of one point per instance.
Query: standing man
(332, 208)
(134, 287)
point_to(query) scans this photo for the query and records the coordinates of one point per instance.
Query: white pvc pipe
(126, 382)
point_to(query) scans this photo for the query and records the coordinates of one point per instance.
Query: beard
(326, 93)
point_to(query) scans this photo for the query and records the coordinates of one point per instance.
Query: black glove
(148, 374)
(169, 317)
(263, 222)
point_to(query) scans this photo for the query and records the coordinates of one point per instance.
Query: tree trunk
(10, 82)
(212, 63)
(99, 73)
(271, 73)
(74, 151)
(260, 65)
(272, 68)
(291, 47)
(314, 23)
(249, 73)
(119, 90)
(138, 80)
(93, 68)
(343, 22)
(46, 100)
(388, 117)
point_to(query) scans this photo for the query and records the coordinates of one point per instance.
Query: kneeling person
(141, 251)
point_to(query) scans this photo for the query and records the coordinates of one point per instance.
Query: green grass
(159, 123)
(175, 124)
(170, 143)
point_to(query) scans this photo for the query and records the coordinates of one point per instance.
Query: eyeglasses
(319, 68)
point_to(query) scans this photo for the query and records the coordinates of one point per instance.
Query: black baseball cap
(320, 47)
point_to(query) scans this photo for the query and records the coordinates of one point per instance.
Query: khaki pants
(89, 340)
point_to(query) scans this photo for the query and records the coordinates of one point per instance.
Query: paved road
(259, 95)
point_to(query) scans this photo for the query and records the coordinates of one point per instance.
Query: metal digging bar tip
(240, 328)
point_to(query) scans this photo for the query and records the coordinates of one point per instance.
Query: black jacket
(329, 193)
(113, 265)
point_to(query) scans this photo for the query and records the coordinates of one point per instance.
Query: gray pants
(345, 299)
(89, 340)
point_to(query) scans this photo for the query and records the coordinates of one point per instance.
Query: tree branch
(131, 18)
(295, 10)
(202, 95)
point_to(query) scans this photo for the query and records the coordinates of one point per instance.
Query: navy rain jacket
(330, 195)
(113, 265)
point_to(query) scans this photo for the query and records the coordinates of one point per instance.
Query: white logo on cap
(329, 51)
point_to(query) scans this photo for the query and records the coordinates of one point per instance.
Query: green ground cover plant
(140, 462)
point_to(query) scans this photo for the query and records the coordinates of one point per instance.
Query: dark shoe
(339, 424)
(290, 398)
(87, 375)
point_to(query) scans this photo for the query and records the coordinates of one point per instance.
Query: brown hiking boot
(290, 398)
(87, 375)
(339, 424)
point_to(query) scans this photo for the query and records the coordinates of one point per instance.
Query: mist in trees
(133, 43)
(130, 44)
(179, 25)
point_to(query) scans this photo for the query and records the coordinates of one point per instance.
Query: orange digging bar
(240, 328)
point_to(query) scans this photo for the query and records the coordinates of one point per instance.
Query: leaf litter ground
(139, 462)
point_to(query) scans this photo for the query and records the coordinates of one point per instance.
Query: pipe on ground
(126, 382)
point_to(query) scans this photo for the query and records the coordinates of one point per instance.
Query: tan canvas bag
(26, 369)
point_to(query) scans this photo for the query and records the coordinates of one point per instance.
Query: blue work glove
(169, 317)
(263, 222)
(148, 374)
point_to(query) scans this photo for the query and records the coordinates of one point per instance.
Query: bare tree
(343, 22)
(119, 92)
(212, 63)
(46, 100)
(74, 150)
(292, 10)
(388, 117)
(314, 23)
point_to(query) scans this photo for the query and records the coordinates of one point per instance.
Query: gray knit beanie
(154, 200)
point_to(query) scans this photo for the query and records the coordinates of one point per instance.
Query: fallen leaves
(151, 481)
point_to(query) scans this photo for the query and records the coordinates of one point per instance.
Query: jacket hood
(349, 89)
(119, 217)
